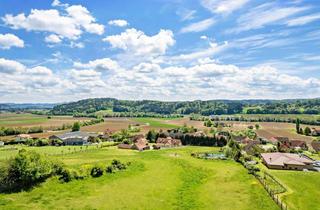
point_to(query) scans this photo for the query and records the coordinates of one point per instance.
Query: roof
(124, 146)
(76, 134)
(24, 136)
(316, 145)
(280, 159)
(141, 146)
(169, 141)
(297, 143)
(275, 139)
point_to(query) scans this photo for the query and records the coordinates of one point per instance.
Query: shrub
(109, 169)
(96, 171)
(65, 175)
(27, 169)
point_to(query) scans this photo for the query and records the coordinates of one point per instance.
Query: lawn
(165, 179)
(156, 123)
(303, 189)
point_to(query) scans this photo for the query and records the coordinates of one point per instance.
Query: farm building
(315, 132)
(140, 143)
(1, 143)
(250, 147)
(242, 139)
(298, 144)
(280, 139)
(22, 138)
(287, 161)
(316, 145)
(168, 142)
(73, 138)
(124, 146)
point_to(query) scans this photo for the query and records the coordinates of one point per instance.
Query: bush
(96, 171)
(109, 169)
(27, 169)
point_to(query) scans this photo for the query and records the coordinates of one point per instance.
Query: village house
(21, 138)
(242, 139)
(287, 161)
(249, 148)
(125, 146)
(140, 143)
(73, 138)
(298, 144)
(282, 140)
(168, 142)
(315, 132)
(316, 145)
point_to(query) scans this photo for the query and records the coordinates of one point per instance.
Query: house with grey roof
(74, 138)
(287, 161)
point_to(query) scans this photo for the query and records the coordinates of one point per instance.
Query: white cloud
(118, 22)
(10, 40)
(186, 14)
(266, 14)
(223, 6)
(303, 20)
(53, 38)
(57, 3)
(136, 42)
(10, 66)
(82, 17)
(39, 71)
(76, 45)
(203, 37)
(103, 64)
(198, 26)
(70, 25)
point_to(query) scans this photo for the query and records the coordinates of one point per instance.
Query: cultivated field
(27, 120)
(165, 179)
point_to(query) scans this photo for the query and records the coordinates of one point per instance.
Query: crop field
(271, 129)
(164, 179)
(32, 120)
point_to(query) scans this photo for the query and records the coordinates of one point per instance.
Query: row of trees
(6, 131)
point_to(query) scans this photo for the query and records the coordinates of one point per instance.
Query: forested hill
(212, 107)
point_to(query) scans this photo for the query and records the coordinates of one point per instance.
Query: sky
(170, 50)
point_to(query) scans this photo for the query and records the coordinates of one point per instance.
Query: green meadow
(155, 122)
(164, 179)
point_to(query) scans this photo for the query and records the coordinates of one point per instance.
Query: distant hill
(25, 106)
(211, 107)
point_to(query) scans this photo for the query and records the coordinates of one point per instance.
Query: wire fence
(273, 191)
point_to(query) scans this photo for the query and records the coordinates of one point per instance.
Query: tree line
(212, 107)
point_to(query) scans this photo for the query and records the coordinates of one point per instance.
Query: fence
(273, 193)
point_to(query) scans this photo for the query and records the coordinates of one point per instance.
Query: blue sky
(57, 51)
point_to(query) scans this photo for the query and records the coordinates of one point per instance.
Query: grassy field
(303, 188)
(165, 179)
(156, 122)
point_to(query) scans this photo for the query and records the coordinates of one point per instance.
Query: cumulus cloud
(52, 38)
(135, 42)
(118, 22)
(10, 40)
(198, 26)
(104, 64)
(10, 66)
(70, 25)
